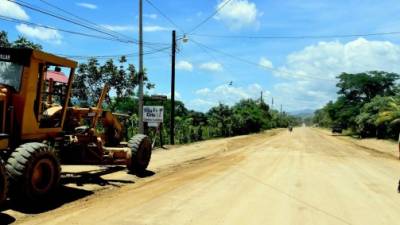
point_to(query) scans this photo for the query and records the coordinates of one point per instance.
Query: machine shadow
(339, 135)
(144, 174)
(62, 196)
(66, 194)
(6, 219)
(93, 177)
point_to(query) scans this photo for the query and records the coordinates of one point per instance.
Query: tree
(322, 118)
(221, 117)
(249, 117)
(21, 42)
(4, 40)
(355, 90)
(367, 119)
(390, 114)
(368, 103)
(91, 78)
(365, 86)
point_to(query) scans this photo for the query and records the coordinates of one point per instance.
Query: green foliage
(390, 113)
(363, 87)
(245, 117)
(368, 104)
(355, 90)
(221, 117)
(4, 40)
(249, 117)
(21, 42)
(367, 120)
(322, 117)
(91, 78)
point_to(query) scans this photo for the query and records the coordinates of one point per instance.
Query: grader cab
(40, 128)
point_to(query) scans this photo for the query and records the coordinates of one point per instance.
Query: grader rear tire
(140, 146)
(34, 172)
(3, 183)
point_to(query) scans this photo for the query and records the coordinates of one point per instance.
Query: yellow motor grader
(41, 129)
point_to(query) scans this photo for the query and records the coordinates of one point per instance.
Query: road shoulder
(385, 147)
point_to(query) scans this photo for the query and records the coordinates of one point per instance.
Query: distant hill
(303, 113)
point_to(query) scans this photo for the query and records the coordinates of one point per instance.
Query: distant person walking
(398, 142)
(290, 128)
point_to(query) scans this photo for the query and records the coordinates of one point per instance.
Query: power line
(296, 36)
(34, 8)
(78, 17)
(210, 16)
(256, 64)
(74, 21)
(212, 56)
(52, 14)
(165, 16)
(96, 25)
(114, 56)
(13, 20)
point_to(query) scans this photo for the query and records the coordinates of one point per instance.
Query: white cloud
(326, 60)
(119, 28)
(226, 94)
(264, 62)
(150, 16)
(177, 95)
(155, 28)
(201, 104)
(10, 9)
(184, 65)
(86, 5)
(211, 66)
(40, 33)
(239, 14)
(203, 91)
(130, 28)
(168, 94)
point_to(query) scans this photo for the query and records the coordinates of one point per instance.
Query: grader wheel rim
(145, 155)
(43, 175)
(140, 155)
(3, 183)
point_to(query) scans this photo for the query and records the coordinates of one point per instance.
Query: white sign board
(153, 114)
(153, 124)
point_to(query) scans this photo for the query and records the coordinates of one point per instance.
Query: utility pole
(141, 71)
(261, 98)
(172, 124)
(281, 109)
(272, 103)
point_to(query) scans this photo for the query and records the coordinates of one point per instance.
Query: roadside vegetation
(245, 117)
(368, 105)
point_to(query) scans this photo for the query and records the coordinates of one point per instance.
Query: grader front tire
(140, 146)
(34, 171)
(3, 183)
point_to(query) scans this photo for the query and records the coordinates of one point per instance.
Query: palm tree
(390, 114)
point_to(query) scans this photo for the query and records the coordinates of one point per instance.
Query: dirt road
(304, 177)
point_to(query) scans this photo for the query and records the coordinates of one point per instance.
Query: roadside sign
(153, 124)
(158, 97)
(153, 114)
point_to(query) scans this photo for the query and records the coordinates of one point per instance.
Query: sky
(224, 59)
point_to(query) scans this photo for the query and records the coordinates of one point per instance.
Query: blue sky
(297, 73)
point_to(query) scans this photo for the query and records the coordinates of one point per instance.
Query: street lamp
(184, 39)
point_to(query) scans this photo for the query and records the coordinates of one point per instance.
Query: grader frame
(40, 128)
